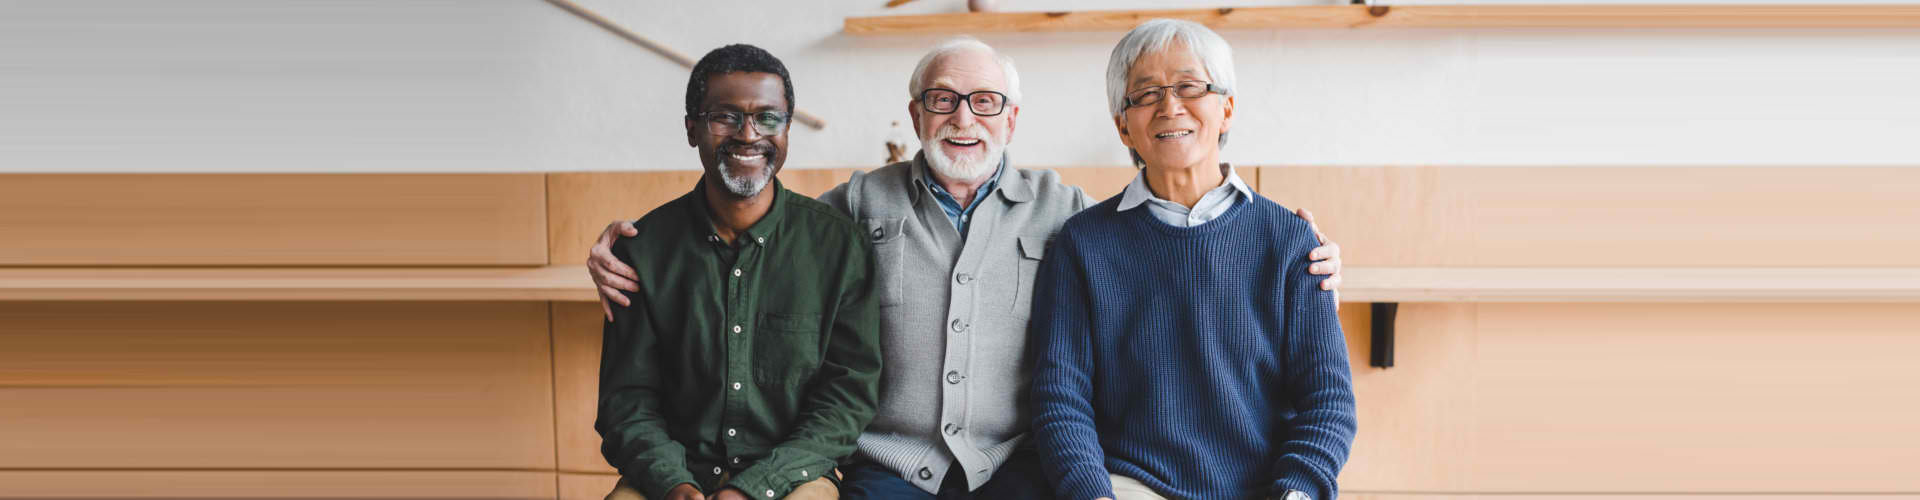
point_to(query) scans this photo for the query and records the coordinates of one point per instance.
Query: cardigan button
(953, 377)
(959, 326)
(964, 278)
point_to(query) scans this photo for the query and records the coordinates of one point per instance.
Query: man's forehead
(971, 69)
(1141, 76)
(745, 92)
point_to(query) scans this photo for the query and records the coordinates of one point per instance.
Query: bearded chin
(963, 168)
(746, 186)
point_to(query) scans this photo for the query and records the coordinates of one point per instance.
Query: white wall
(519, 85)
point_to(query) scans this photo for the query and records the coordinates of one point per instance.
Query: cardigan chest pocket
(787, 349)
(1032, 250)
(889, 257)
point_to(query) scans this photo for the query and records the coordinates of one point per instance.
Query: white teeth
(743, 158)
(963, 142)
(1167, 135)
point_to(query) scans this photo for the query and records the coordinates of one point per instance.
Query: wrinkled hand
(1326, 258)
(731, 494)
(685, 491)
(608, 273)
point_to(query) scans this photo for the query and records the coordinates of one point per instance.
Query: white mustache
(950, 131)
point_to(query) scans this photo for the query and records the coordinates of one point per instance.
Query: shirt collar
(1137, 192)
(1014, 188)
(758, 234)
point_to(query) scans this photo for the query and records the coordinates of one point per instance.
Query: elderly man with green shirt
(745, 359)
(957, 235)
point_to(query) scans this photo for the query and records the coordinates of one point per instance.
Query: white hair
(1156, 35)
(961, 43)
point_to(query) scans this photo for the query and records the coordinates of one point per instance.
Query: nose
(747, 133)
(1170, 105)
(963, 116)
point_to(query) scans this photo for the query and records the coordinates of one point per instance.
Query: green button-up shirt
(756, 362)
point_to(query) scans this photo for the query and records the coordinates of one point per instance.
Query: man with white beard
(957, 235)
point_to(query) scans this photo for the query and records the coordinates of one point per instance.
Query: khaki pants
(818, 489)
(1126, 488)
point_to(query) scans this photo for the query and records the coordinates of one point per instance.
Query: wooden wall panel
(174, 484)
(1624, 398)
(362, 385)
(1611, 217)
(576, 385)
(272, 219)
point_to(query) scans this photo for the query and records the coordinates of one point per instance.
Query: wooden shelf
(1409, 16)
(550, 283)
(1631, 285)
(570, 284)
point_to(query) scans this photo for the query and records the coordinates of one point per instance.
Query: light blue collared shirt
(1210, 206)
(961, 216)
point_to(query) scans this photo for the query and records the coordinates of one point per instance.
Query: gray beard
(746, 187)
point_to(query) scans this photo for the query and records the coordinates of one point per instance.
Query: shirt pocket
(1032, 250)
(787, 349)
(889, 257)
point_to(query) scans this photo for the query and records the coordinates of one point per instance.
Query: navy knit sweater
(1205, 362)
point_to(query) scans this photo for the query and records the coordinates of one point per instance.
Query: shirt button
(736, 386)
(953, 377)
(958, 326)
(803, 473)
(963, 278)
(769, 493)
(736, 273)
(730, 433)
(736, 328)
(761, 240)
(925, 474)
(736, 460)
(953, 429)
(716, 471)
(877, 233)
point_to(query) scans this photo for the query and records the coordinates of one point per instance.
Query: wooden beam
(1409, 16)
(1600, 284)
(552, 283)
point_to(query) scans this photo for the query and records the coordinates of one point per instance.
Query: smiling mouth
(1177, 134)
(962, 142)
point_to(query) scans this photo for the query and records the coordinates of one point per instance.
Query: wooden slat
(1610, 216)
(99, 484)
(1408, 16)
(366, 385)
(1639, 398)
(1495, 284)
(566, 283)
(271, 219)
(576, 386)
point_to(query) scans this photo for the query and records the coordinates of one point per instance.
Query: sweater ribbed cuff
(1086, 482)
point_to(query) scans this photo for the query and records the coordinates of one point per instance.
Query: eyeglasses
(982, 103)
(729, 122)
(1186, 90)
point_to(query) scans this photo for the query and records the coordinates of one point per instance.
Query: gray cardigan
(953, 316)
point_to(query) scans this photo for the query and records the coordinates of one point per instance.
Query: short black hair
(736, 58)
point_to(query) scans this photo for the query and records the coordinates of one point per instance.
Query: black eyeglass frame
(1161, 90)
(967, 98)
(786, 120)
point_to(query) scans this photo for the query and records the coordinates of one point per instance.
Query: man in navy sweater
(1184, 349)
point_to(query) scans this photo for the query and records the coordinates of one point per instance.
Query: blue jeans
(1018, 479)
